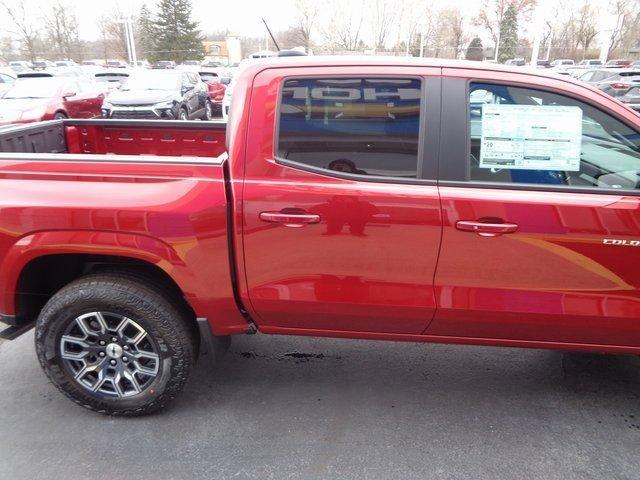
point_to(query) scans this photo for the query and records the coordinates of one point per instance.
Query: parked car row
(619, 78)
(111, 93)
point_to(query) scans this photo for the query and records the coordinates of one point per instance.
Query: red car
(216, 89)
(50, 98)
(378, 198)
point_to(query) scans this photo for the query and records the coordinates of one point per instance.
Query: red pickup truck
(380, 199)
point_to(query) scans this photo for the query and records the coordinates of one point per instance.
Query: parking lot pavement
(285, 407)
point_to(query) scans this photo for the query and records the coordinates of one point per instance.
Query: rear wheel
(183, 115)
(115, 345)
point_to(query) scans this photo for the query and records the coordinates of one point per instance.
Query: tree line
(169, 34)
(166, 30)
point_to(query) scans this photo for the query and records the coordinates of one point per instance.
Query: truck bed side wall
(117, 137)
(170, 214)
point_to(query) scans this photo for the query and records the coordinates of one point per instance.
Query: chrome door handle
(290, 219)
(486, 229)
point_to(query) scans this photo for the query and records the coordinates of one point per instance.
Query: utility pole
(538, 25)
(549, 45)
(131, 44)
(495, 57)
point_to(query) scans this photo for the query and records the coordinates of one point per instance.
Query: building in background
(227, 51)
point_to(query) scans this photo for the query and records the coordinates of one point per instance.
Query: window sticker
(532, 137)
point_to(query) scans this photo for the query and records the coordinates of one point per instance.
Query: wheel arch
(40, 264)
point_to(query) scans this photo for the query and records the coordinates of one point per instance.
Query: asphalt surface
(289, 408)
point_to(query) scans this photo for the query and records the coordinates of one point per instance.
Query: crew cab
(376, 198)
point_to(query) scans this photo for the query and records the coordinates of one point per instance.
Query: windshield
(208, 76)
(111, 77)
(148, 81)
(34, 88)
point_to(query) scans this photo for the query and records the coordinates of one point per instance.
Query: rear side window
(362, 126)
(520, 135)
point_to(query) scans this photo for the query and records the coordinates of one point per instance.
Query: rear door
(541, 212)
(341, 221)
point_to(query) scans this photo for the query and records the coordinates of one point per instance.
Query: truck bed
(151, 193)
(116, 137)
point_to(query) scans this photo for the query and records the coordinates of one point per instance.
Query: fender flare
(88, 242)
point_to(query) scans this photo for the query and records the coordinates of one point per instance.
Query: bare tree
(23, 26)
(620, 10)
(449, 34)
(586, 30)
(343, 32)
(305, 21)
(383, 14)
(113, 35)
(62, 30)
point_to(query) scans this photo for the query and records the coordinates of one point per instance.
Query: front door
(541, 237)
(341, 213)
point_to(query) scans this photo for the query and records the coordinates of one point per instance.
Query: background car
(160, 95)
(562, 62)
(115, 64)
(19, 66)
(618, 63)
(210, 64)
(164, 64)
(217, 89)
(49, 98)
(42, 65)
(111, 78)
(7, 78)
(590, 63)
(543, 64)
(632, 98)
(614, 82)
(65, 63)
(519, 62)
(226, 101)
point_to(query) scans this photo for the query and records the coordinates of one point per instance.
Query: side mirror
(187, 88)
(69, 94)
(225, 80)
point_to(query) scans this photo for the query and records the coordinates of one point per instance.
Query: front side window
(362, 126)
(520, 135)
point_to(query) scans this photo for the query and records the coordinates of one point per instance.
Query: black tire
(208, 111)
(60, 116)
(164, 322)
(183, 114)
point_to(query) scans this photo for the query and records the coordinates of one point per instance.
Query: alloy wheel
(109, 354)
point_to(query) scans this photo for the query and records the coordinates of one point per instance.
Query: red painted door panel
(552, 279)
(332, 253)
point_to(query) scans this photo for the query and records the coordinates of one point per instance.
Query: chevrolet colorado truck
(373, 198)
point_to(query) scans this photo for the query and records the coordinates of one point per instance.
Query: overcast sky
(244, 16)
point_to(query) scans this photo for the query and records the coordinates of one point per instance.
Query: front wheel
(183, 114)
(115, 345)
(208, 111)
(59, 116)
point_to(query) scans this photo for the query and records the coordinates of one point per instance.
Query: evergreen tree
(475, 50)
(146, 33)
(508, 34)
(177, 37)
